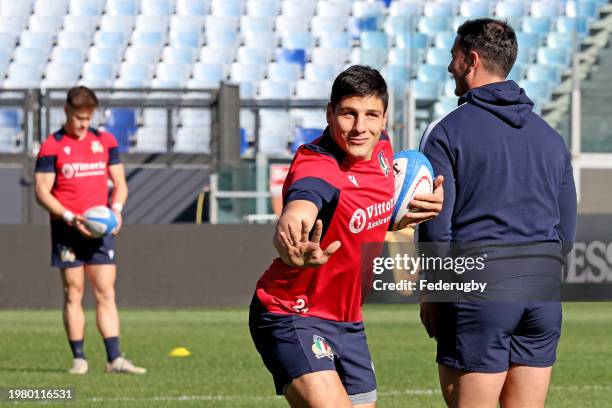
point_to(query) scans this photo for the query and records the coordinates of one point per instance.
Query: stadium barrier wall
(174, 266)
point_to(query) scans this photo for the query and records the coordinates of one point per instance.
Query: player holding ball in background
(72, 172)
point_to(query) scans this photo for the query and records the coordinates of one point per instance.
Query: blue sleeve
(45, 164)
(567, 207)
(313, 189)
(436, 148)
(113, 156)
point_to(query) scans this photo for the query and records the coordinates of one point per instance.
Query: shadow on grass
(31, 370)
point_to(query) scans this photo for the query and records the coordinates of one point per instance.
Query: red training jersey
(355, 202)
(80, 167)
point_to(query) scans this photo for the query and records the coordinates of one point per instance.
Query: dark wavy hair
(494, 40)
(81, 97)
(359, 80)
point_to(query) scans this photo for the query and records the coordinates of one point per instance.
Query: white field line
(388, 393)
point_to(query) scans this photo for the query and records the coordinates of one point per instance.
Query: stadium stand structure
(275, 50)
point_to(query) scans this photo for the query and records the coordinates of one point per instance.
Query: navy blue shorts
(292, 345)
(70, 249)
(489, 336)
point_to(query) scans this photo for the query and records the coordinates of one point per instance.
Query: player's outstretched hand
(304, 253)
(426, 206)
(79, 224)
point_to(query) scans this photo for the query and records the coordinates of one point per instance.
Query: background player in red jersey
(72, 172)
(305, 317)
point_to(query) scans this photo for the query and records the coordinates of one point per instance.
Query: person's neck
(483, 80)
(73, 134)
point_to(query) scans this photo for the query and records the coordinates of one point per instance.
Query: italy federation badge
(384, 164)
(321, 349)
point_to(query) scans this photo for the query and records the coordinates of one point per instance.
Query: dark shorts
(70, 249)
(293, 345)
(489, 336)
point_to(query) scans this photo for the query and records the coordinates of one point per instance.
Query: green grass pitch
(225, 370)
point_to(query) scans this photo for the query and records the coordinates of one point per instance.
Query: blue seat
(525, 55)
(543, 73)
(475, 9)
(263, 8)
(230, 8)
(373, 40)
(23, 76)
(10, 118)
(432, 73)
(246, 73)
(68, 56)
(510, 8)
(31, 56)
(71, 39)
(185, 37)
(359, 24)
(44, 24)
(364, 8)
(156, 7)
(80, 24)
(304, 136)
(398, 25)
(285, 24)
(279, 71)
(517, 73)
(121, 122)
(252, 24)
(438, 56)
(208, 73)
(299, 8)
(269, 89)
(333, 39)
(7, 42)
(122, 7)
(153, 39)
(12, 25)
(253, 56)
(402, 8)
(141, 54)
(86, 7)
(583, 8)
(179, 55)
(60, 75)
(406, 56)
(412, 40)
(110, 39)
(571, 24)
(296, 40)
(221, 37)
(398, 76)
(439, 9)
(170, 73)
(559, 57)
(538, 92)
(544, 8)
(559, 40)
(445, 40)
(337, 9)
(444, 105)
(42, 41)
(105, 55)
(291, 56)
(136, 72)
(221, 56)
(373, 57)
(317, 72)
(117, 24)
(98, 73)
(528, 40)
(433, 25)
(262, 40)
(537, 25)
(428, 91)
(192, 7)
(307, 89)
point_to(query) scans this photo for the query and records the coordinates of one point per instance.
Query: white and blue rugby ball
(100, 221)
(413, 175)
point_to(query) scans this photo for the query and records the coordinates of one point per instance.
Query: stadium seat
(475, 9)
(405, 8)
(398, 76)
(528, 40)
(285, 25)
(438, 56)
(263, 40)
(273, 134)
(46, 8)
(80, 24)
(313, 118)
(317, 72)
(121, 122)
(439, 9)
(298, 8)
(269, 89)
(221, 35)
(253, 56)
(375, 58)
(334, 39)
(117, 24)
(297, 40)
(510, 8)
(179, 55)
(192, 140)
(31, 56)
(208, 73)
(156, 7)
(151, 24)
(538, 92)
(246, 73)
(291, 56)
(136, 73)
(71, 39)
(328, 56)
(373, 40)
(433, 25)
(86, 7)
(445, 40)
(173, 75)
(337, 9)
(307, 89)
(192, 7)
(357, 25)
(537, 25)
(150, 140)
(544, 8)
(10, 140)
(98, 75)
(432, 73)
(186, 37)
(517, 73)
(23, 75)
(444, 106)
(426, 90)
(256, 24)
(122, 7)
(406, 56)
(398, 25)
(13, 25)
(559, 57)
(68, 56)
(41, 41)
(10, 118)
(583, 8)
(282, 71)
(110, 39)
(229, 8)
(525, 55)
(105, 55)
(221, 56)
(44, 24)
(363, 8)
(7, 42)
(263, 8)
(59, 75)
(543, 73)
(304, 136)
(139, 54)
(559, 40)
(152, 39)
(570, 24)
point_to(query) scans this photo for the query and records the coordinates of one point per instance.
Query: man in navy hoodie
(508, 179)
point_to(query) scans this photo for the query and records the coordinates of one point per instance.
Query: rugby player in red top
(305, 318)
(72, 172)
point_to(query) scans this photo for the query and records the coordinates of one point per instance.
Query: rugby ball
(413, 175)
(100, 221)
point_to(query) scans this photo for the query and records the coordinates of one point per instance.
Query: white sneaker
(79, 366)
(123, 365)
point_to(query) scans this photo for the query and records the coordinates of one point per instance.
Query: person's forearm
(120, 194)
(50, 203)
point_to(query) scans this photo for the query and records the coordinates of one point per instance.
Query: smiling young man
(305, 318)
(72, 172)
(509, 180)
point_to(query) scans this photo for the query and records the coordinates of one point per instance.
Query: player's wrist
(68, 217)
(118, 207)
